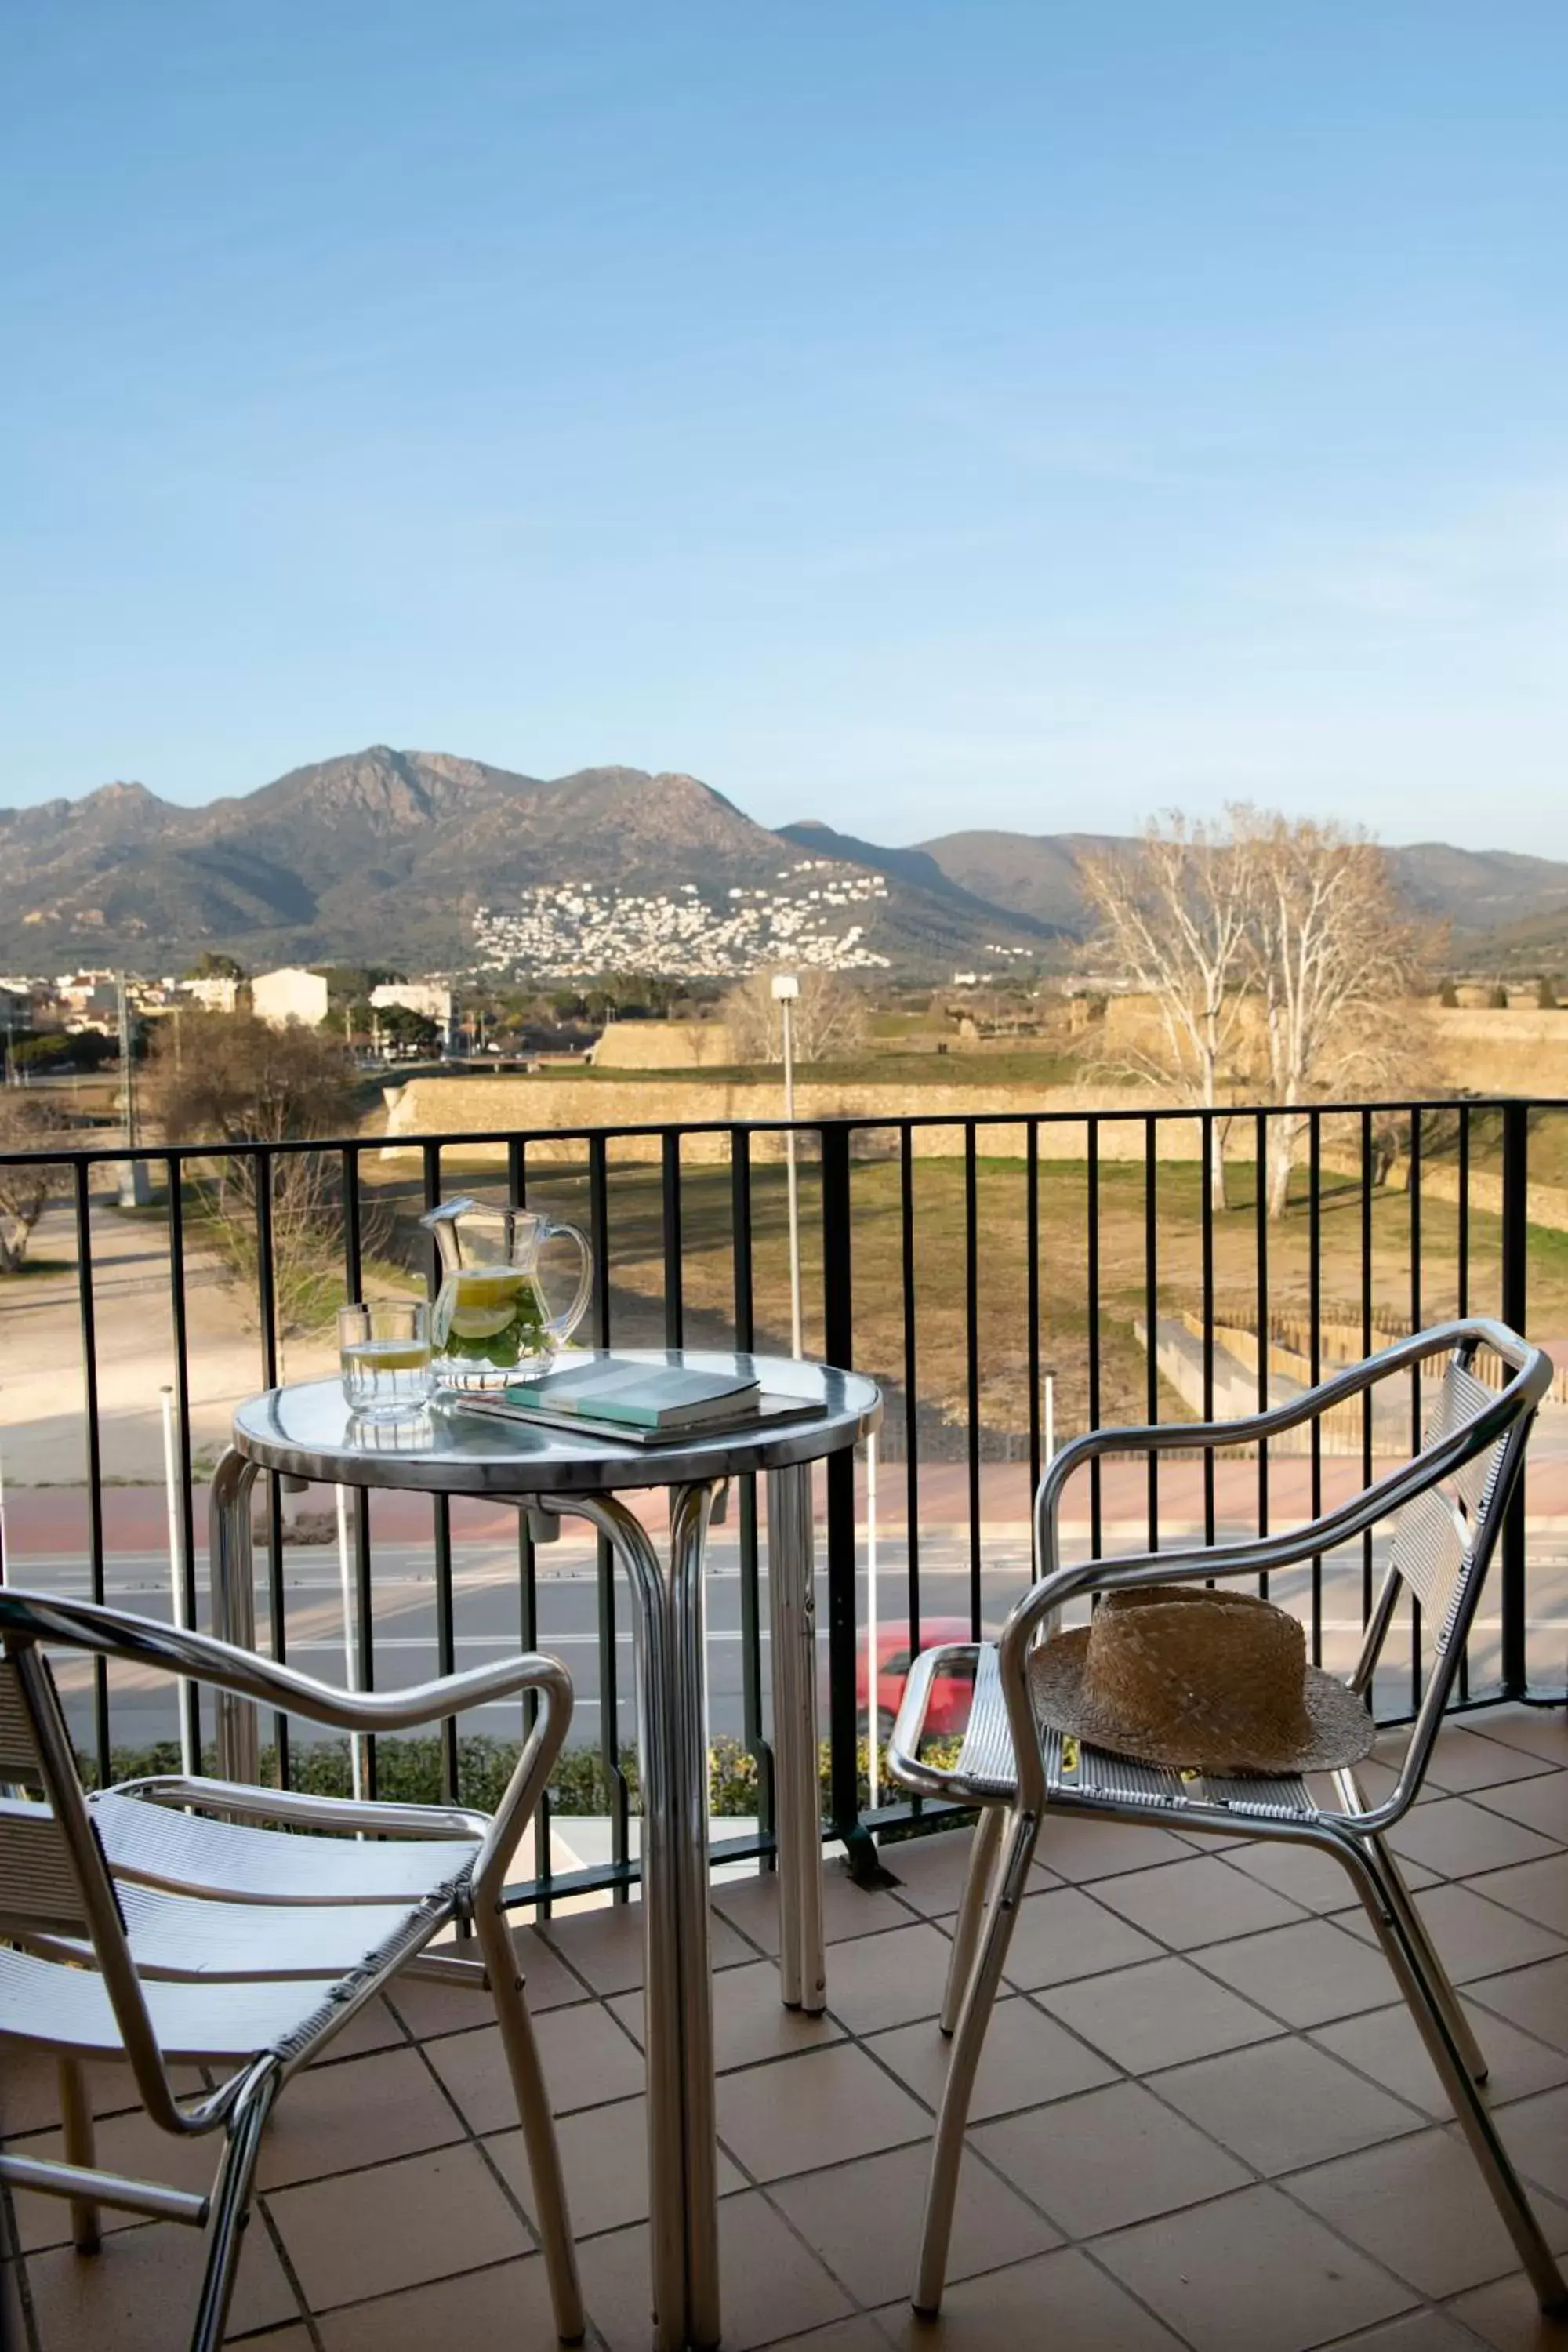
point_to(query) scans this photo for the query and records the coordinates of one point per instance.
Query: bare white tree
(1333, 955)
(25, 1185)
(1173, 920)
(828, 1018)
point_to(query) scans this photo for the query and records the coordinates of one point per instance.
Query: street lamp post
(786, 989)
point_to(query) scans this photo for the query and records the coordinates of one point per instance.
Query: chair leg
(532, 2097)
(975, 2016)
(77, 2133)
(231, 2204)
(1407, 1956)
(1401, 1901)
(972, 1910)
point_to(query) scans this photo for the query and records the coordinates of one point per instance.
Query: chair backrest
(54, 1879)
(1445, 1536)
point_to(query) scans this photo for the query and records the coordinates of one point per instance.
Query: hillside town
(572, 930)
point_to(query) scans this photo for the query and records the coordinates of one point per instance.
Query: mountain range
(386, 856)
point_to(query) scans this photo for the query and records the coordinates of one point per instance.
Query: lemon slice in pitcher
(487, 1301)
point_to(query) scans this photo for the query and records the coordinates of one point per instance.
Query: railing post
(1515, 1308)
(838, 1347)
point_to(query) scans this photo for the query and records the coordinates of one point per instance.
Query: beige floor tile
(397, 2225)
(1107, 2158)
(772, 2288)
(1457, 1837)
(750, 2021)
(122, 2143)
(1537, 1889)
(508, 2305)
(1385, 2044)
(1507, 2317)
(1315, 1881)
(372, 2028)
(1423, 2331)
(1027, 2059)
(1540, 1804)
(864, 2220)
(587, 2059)
(1203, 1901)
(1536, 2132)
(931, 1870)
(140, 2293)
(1079, 1850)
(332, 2118)
(1063, 1934)
(1251, 2272)
(1418, 2206)
(1285, 2104)
(848, 1910)
(1474, 1936)
(880, 1981)
(1305, 1975)
(297, 2338)
(858, 2334)
(605, 1946)
(828, 2105)
(1538, 1730)
(1157, 2015)
(1058, 2300)
(1535, 1999)
(30, 2090)
(428, 2008)
(1463, 1759)
(604, 2151)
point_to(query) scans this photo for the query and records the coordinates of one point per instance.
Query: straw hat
(1212, 1682)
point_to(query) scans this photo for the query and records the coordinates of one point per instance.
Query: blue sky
(913, 416)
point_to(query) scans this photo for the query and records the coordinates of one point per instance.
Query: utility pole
(134, 1191)
(786, 989)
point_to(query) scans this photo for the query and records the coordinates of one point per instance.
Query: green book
(658, 1399)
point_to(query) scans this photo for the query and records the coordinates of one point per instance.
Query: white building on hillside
(214, 995)
(290, 993)
(433, 998)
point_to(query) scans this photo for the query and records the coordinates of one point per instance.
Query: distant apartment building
(290, 993)
(430, 997)
(217, 995)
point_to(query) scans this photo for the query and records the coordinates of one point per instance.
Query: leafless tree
(231, 1080)
(829, 1018)
(1334, 953)
(1173, 920)
(26, 1185)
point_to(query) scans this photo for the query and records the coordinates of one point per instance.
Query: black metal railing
(1009, 1280)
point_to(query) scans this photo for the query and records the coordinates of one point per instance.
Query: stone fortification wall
(506, 1104)
(665, 1046)
(1478, 1052)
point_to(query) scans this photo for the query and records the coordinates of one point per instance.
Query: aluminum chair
(1451, 1498)
(156, 1923)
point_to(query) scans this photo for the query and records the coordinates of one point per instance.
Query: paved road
(488, 1622)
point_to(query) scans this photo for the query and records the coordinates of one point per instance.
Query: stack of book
(641, 1403)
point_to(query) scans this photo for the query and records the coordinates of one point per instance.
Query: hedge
(409, 1771)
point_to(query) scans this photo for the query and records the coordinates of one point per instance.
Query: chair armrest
(202, 1657)
(903, 1756)
(239, 1800)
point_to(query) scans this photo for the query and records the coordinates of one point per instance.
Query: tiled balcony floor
(1202, 2119)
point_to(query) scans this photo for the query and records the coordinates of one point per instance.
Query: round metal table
(307, 1432)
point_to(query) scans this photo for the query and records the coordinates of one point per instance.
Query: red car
(949, 1708)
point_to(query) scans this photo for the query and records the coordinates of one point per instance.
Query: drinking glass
(384, 1349)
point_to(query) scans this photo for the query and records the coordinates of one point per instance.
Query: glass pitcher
(492, 1322)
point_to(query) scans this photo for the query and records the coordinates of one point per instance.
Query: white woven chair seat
(47, 2004)
(189, 1935)
(1079, 1774)
(191, 1853)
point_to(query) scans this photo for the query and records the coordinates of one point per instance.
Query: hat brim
(1341, 1730)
